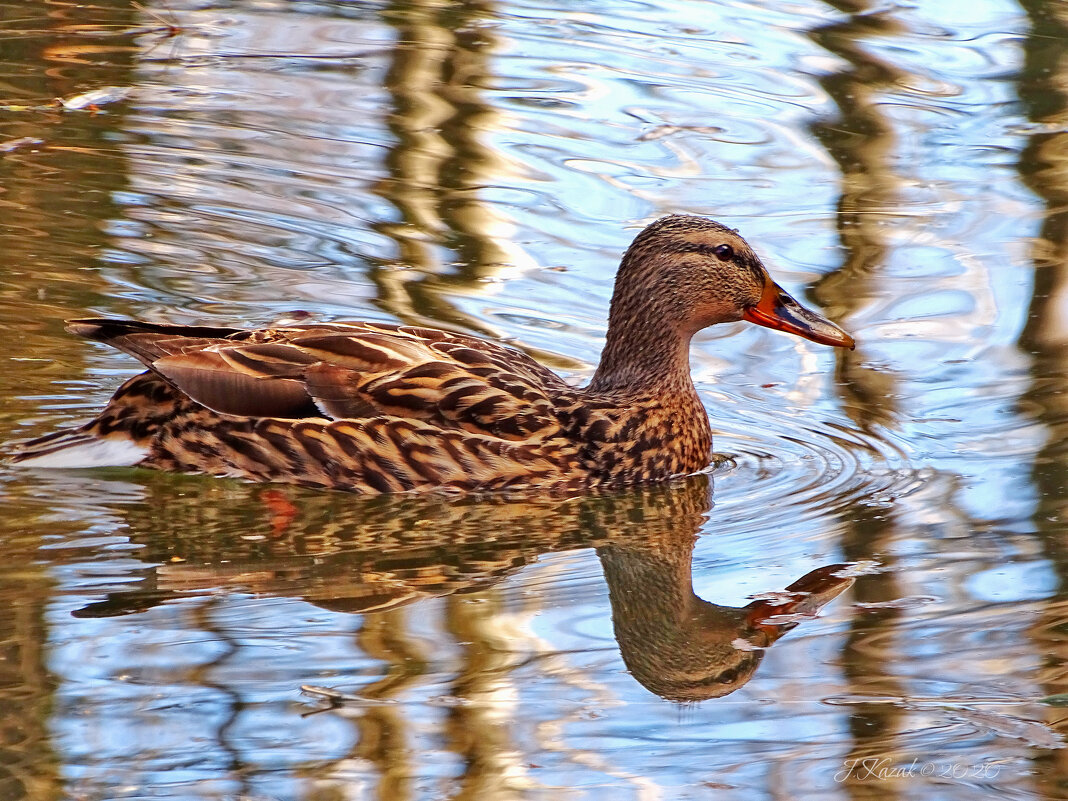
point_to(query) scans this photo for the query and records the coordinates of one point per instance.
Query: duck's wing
(348, 371)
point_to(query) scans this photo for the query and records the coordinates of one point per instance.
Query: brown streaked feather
(379, 454)
(350, 370)
(335, 391)
(368, 351)
(264, 360)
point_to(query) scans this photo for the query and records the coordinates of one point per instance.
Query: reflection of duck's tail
(120, 436)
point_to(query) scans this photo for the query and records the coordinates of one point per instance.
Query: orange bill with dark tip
(776, 309)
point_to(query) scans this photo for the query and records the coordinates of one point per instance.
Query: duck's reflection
(368, 558)
(684, 648)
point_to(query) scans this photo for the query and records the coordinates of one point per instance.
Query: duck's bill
(778, 310)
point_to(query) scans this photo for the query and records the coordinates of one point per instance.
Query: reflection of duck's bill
(780, 612)
(776, 309)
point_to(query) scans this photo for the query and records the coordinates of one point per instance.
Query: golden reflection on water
(862, 140)
(439, 162)
(31, 768)
(1044, 168)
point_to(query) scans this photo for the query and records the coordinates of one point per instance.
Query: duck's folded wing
(348, 370)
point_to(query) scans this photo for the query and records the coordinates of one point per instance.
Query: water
(480, 167)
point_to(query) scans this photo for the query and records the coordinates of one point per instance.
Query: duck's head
(686, 273)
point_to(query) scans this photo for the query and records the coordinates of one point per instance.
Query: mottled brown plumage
(372, 407)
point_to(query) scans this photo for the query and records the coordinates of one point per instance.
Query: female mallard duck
(371, 407)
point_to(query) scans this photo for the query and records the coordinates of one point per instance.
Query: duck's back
(360, 406)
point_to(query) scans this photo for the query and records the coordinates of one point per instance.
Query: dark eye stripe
(722, 251)
(694, 247)
(747, 261)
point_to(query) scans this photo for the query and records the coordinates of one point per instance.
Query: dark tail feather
(104, 330)
(148, 342)
(48, 444)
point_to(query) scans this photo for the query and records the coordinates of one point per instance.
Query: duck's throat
(640, 361)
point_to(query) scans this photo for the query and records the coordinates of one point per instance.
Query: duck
(371, 407)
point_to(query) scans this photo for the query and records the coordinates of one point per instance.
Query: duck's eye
(724, 251)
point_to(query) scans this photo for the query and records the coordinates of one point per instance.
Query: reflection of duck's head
(684, 648)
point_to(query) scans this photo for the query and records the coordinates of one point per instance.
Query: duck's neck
(643, 357)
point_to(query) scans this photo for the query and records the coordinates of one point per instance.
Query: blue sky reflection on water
(481, 168)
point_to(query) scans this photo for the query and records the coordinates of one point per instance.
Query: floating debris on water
(661, 131)
(12, 145)
(95, 98)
